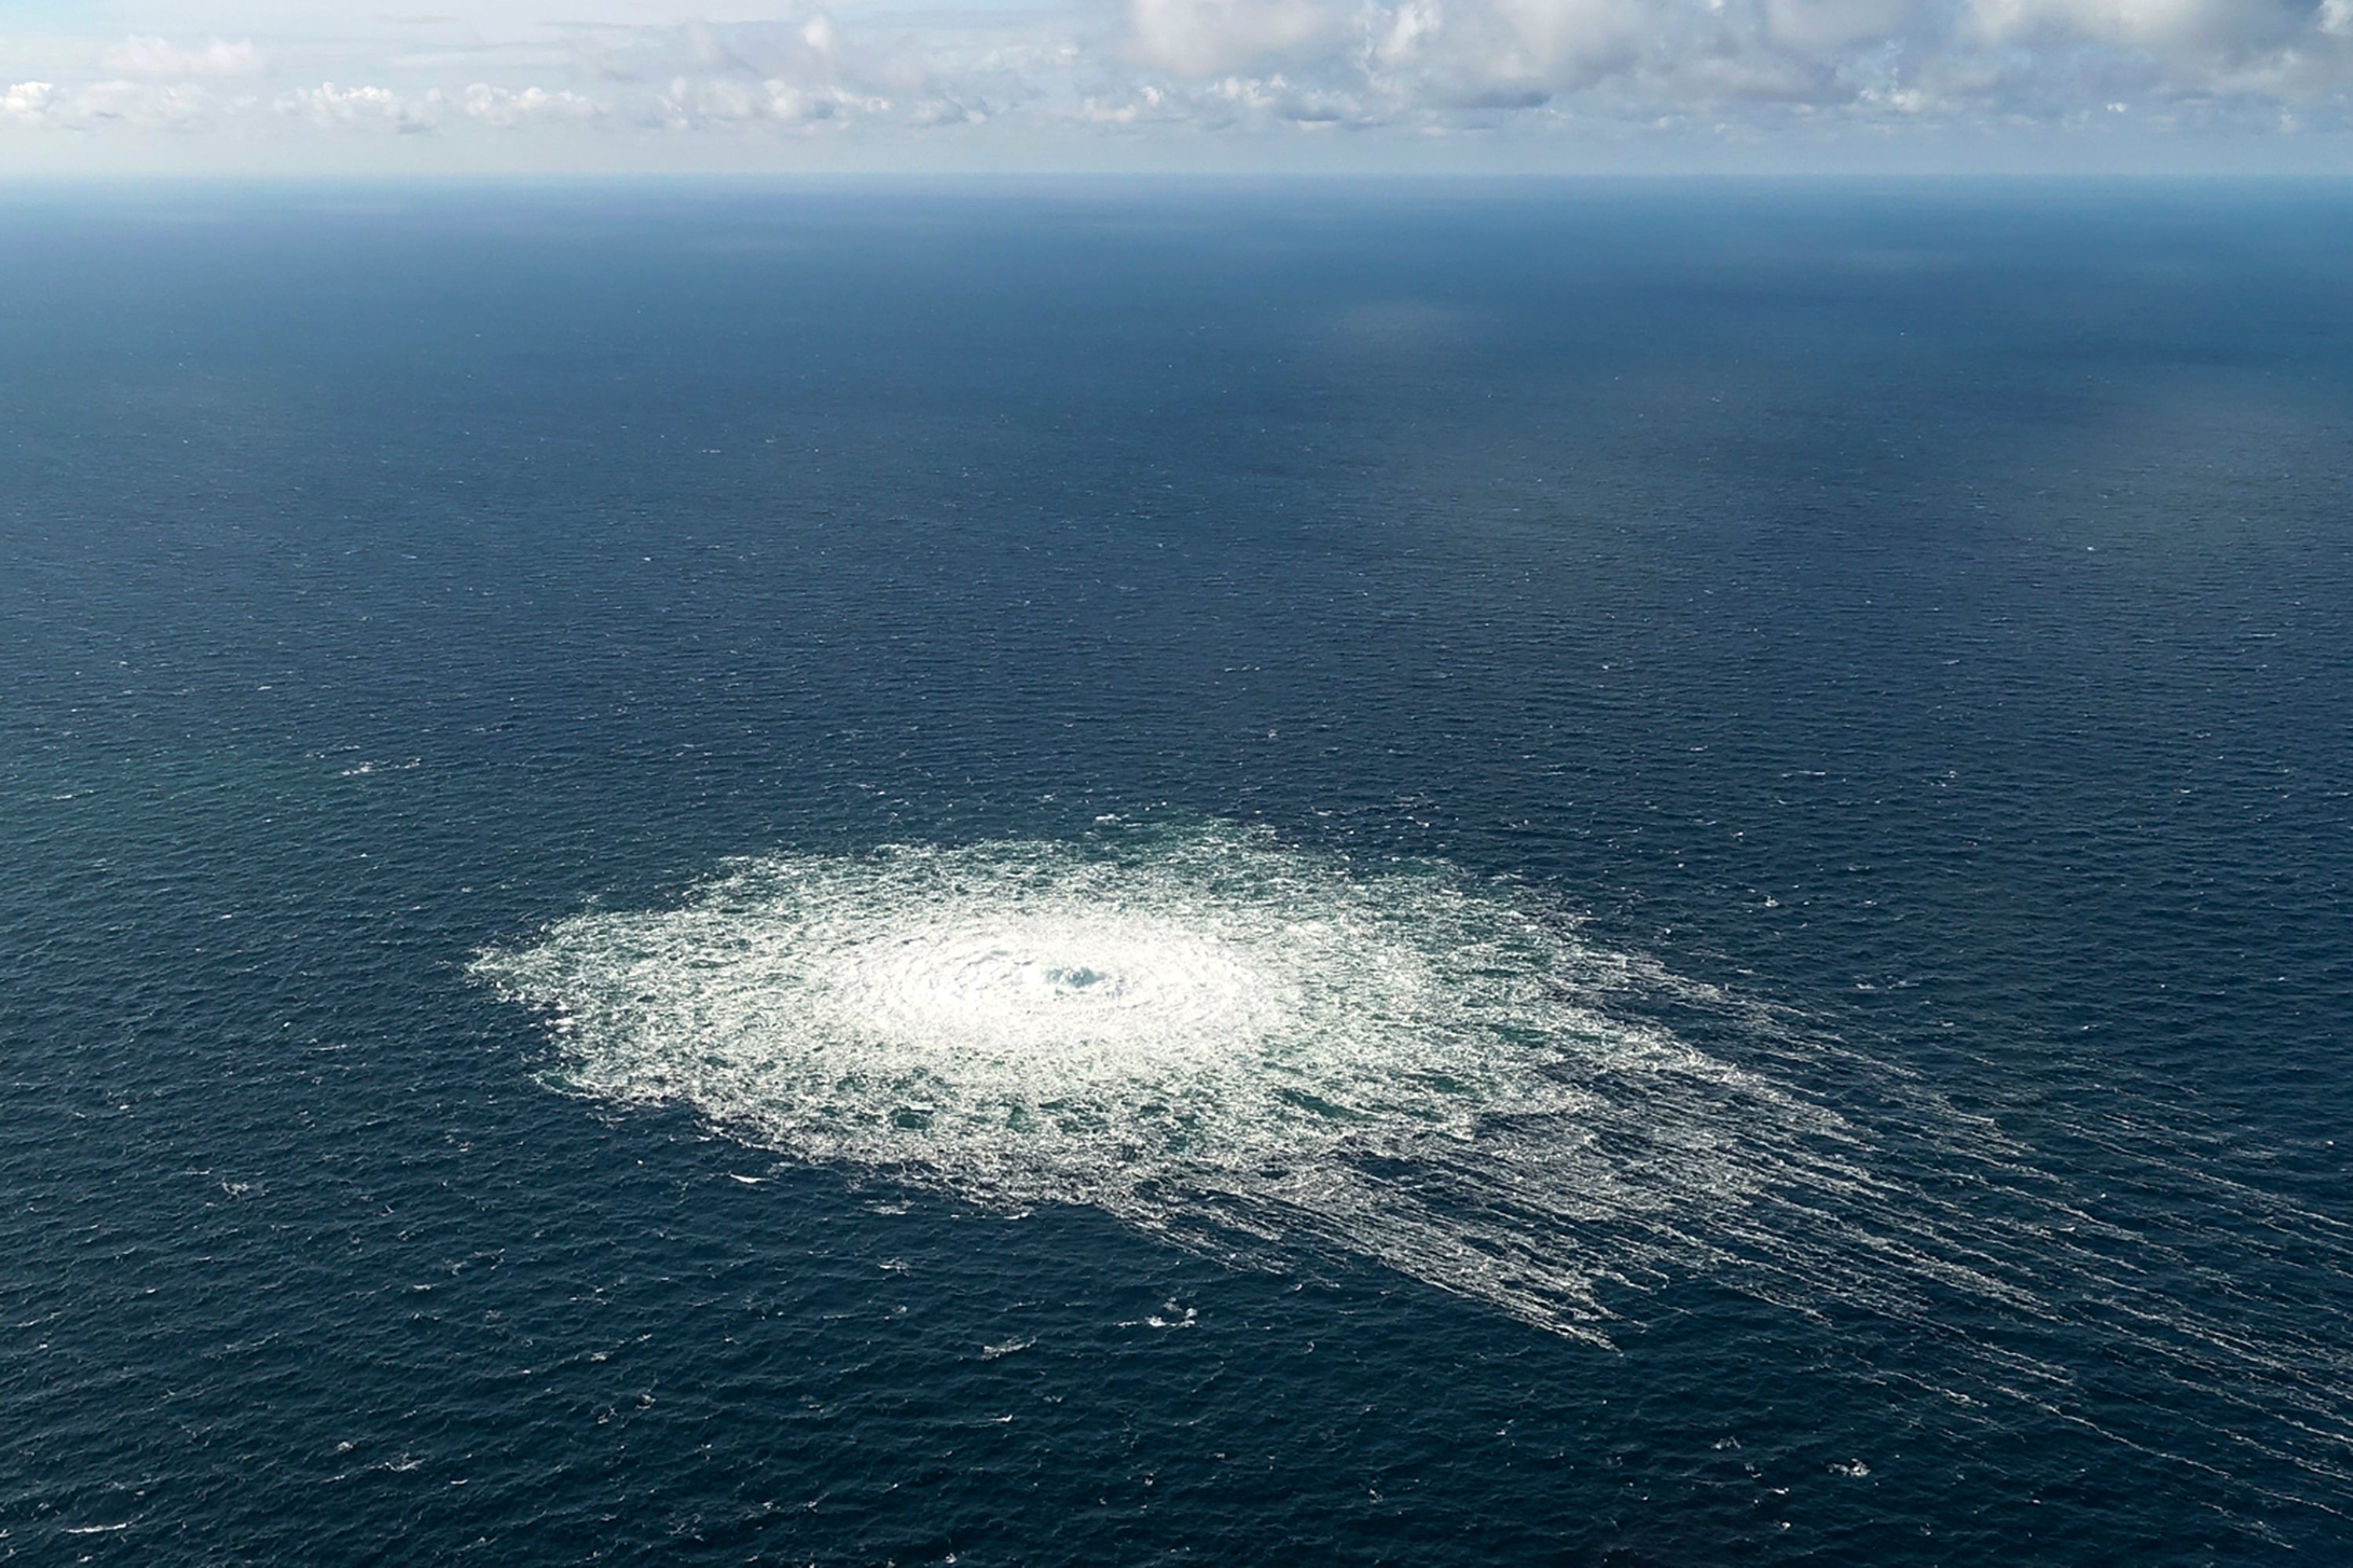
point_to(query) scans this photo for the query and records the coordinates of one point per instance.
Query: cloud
(1212, 37)
(27, 103)
(330, 108)
(155, 57)
(505, 108)
(97, 106)
(1193, 71)
(2191, 26)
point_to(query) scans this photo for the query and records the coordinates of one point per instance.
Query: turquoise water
(1640, 874)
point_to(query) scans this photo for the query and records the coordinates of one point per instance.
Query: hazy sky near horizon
(1407, 85)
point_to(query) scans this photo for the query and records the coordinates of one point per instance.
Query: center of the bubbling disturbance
(1050, 981)
(1017, 976)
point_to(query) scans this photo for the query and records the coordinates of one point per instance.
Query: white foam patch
(1273, 1055)
(1249, 1048)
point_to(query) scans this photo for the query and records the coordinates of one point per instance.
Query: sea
(1642, 873)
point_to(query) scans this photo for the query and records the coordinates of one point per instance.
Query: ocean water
(1642, 875)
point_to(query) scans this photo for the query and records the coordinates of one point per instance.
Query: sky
(253, 87)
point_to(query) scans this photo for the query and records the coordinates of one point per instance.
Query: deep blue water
(1919, 612)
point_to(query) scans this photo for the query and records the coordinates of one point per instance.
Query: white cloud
(1210, 37)
(1121, 73)
(155, 57)
(332, 108)
(28, 101)
(99, 106)
(504, 108)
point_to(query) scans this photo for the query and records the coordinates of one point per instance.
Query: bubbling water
(1274, 1057)
(1060, 985)
(1249, 1048)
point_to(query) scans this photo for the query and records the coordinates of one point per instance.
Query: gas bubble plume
(1255, 1051)
(1275, 1056)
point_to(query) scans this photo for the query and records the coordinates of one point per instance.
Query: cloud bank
(1228, 79)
